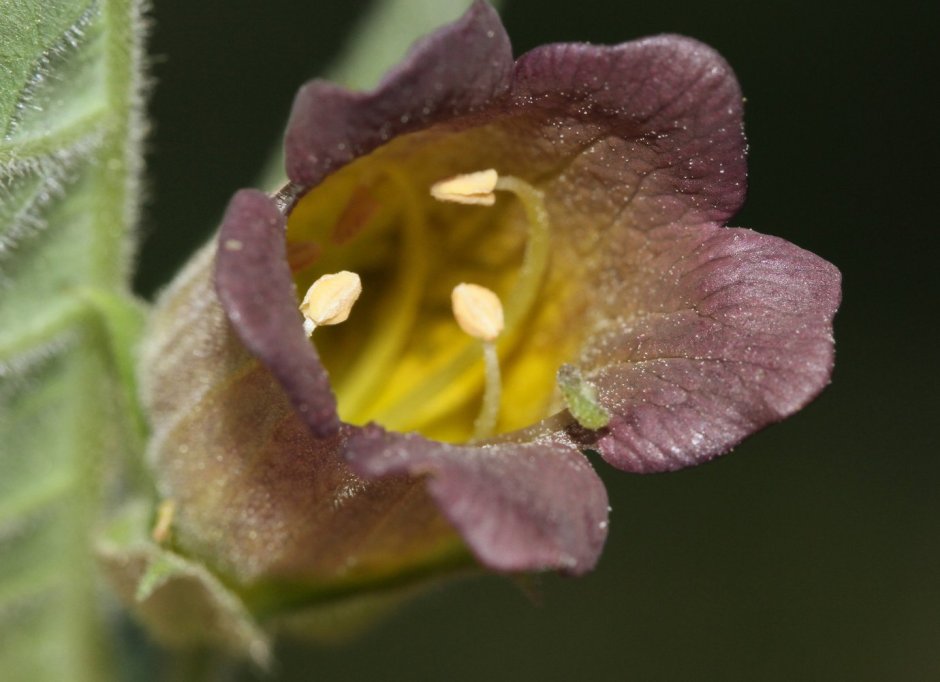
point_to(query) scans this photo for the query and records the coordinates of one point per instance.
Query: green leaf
(69, 425)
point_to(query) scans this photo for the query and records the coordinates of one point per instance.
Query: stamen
(404, 415)
(330, 299)
(479, 313)
(360, 387)
(537, 250)
(469, 188)
(485, 424)
(166, 510)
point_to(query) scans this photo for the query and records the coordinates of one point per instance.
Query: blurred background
(810, 553)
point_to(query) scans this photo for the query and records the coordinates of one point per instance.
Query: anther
(330, 299)
(166, 510)
(479, 313)
(469, 188)
(480, 188)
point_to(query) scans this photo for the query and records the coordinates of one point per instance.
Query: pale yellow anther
(478, 311)
(469, 188)
(329, 300)
(166, 510)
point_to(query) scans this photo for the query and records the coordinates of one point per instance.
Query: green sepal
(182, 604)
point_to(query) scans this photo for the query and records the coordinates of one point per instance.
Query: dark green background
(810, 553)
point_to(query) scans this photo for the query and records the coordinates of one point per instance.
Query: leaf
(69, 132)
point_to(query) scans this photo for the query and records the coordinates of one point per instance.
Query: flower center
(402, 359)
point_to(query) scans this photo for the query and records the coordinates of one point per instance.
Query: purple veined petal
(668, 110)
(734, 333)
(454, 71)
(255, 287)
(518, 506)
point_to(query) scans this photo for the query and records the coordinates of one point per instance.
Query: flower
(636, 324)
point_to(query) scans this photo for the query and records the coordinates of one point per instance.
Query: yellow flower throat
(401, 359)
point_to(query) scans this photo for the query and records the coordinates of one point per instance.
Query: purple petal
(454, 71)
(256, 289)
(665, 117)
(733, 332)
(258, 498)
(519, 507)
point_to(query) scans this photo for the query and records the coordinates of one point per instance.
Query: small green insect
(581, 398)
